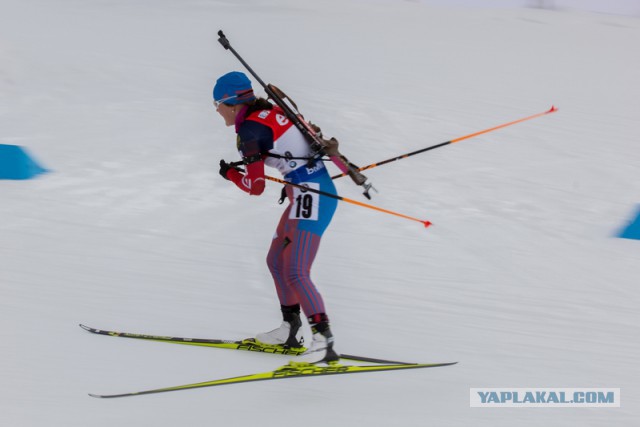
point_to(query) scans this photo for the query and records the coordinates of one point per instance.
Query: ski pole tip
(426, 224)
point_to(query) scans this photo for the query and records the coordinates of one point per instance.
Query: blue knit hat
(233, 88)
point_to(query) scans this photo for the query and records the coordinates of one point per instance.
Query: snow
(520, 279)
(620, 7)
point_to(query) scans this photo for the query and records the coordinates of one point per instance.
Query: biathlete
(265, 136)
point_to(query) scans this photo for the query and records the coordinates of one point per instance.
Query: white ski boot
(289, 334)
(321, 348)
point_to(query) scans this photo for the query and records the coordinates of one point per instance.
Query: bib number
(305, 203)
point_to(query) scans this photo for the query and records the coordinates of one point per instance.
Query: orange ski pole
(453, 141)
(353, 202)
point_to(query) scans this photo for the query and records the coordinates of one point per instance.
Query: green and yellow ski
(248, 344)
(291, 370)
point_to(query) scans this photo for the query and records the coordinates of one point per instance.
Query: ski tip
(427, 224)
(553, 109)
(95, 395)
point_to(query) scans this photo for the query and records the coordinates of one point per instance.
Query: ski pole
(345, 199)
(453, 141)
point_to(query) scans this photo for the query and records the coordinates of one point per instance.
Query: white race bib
(305, 203)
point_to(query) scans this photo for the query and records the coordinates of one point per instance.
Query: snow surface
(619, 7)
(520, 279)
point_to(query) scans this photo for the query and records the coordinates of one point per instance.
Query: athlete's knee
(296, 273)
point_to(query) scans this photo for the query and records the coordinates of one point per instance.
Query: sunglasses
(219, 102)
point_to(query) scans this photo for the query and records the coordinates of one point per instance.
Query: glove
(224, 168)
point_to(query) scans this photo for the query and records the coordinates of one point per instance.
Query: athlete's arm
(252, 181)
(254, 139)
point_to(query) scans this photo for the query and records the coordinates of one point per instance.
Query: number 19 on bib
(305, 203)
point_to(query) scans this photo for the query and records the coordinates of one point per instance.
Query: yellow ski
(248, 344)
(291, 370)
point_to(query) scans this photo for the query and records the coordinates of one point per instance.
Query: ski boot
(289, 333)
(321, 348)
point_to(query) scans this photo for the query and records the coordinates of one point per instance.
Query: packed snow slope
(520, 279)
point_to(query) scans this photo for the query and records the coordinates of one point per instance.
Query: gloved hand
(224, 168)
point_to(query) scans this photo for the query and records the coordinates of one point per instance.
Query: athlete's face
(228, 113)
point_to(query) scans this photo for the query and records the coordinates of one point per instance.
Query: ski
(291, 370)
(248, 344)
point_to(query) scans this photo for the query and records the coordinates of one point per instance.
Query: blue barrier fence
(16, 163)
(632, 230)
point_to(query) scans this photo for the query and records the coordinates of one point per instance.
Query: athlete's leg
(298, 259)
(276, 262)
